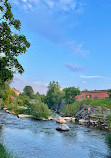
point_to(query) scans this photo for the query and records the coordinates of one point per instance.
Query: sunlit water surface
(28, 138)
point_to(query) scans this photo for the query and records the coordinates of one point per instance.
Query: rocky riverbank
(91, 121)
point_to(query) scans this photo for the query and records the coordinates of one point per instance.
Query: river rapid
(28, 138)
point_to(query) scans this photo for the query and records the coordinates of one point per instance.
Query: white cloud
(74, 67)
(82, 76)
(38, 86)
(76, 49)
(50, 3)
(83, 82)
(24, 1)
(63, 5)
(67, 5)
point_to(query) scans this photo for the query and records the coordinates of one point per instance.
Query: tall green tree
(28, 90)
(54, 96)
(70, 94)
(11, 44)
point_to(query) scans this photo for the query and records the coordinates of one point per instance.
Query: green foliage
(11, 45)
(108, 140)
(4, 153)
(103, 103)
(40, 110)
(99, 115)
(70, 94)
(28, 90)
(37, 97)
(1, 102)
(24, 98)
(109, 93)
(5, 92)
(109, 121)
(54, 96)
(71, 109)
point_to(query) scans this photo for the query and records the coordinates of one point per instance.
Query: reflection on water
(38, 139)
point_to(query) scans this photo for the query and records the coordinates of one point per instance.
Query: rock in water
(62, 127)
(60, 120)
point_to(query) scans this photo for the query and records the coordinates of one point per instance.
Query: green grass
(4, 153)
(99, 104)
(103, 103)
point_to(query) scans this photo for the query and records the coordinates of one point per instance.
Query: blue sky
(70, 43)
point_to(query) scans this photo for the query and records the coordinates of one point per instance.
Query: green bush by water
(4, 153)
(41, 110)
(108, 140)
(71, 109)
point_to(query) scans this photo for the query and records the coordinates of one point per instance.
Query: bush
(40, 110)
(4, 153)
(71, 109)
(108, 140)
(1, 102)
(109, 121)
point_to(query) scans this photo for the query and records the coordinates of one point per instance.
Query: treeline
(36, 104)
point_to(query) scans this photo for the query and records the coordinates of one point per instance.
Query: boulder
(73, 119)
(52, 118)
(24, 116)
(82, 121)
(62, 127)
(60, 120)
(67, 118)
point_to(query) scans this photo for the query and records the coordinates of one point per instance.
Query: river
(28, 138)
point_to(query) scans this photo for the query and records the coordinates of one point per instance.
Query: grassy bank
(104, 103)
(71, 109)
(4, 153)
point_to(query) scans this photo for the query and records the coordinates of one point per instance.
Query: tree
(54, 96)
(37, 96)
(11, 45)
(28, 90)
(70, 94)
(5, 91)
(109, 93)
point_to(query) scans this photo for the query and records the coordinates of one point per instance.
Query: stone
(62, 127)
(24, 116)
(67, 118)
(60, 120)
(73, 119)
(82, 121)
(52, 118)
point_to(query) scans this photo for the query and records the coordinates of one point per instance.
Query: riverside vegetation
(4, 153)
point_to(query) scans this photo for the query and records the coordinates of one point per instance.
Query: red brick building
(100, 94)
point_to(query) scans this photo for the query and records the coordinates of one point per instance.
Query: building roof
(16, 91)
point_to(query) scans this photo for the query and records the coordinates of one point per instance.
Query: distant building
(16, 91)
(100, 94)
(12, 98)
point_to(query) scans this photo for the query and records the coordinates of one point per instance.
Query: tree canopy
(11, 45)
(53, 96)
(70, 93)
(28, 90)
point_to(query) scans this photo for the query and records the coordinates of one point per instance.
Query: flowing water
(28, 138)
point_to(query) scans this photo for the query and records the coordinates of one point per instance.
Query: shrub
(4, 153)
(71, 109)
(40, 110)
(109, 121)
(108, 140)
